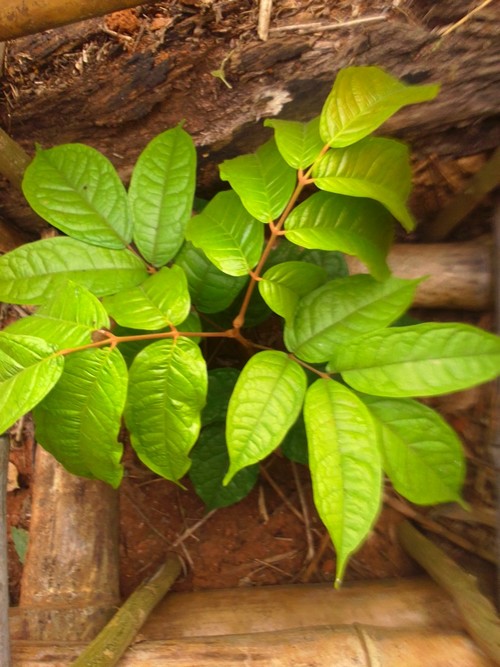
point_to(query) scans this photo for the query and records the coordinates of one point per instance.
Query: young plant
(126, 296)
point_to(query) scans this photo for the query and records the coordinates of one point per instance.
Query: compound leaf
(345, 465)
(263, 180)
(161, 195)
(299, 143)
(77, 190)
(420, 360)
(79, 420)
(30, 273)
(264, 405)
(28, 371)
(168, 386)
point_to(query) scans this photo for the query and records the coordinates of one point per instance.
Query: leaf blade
(299, 143)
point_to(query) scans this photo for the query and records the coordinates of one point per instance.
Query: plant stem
(112, 642)
(4, 576)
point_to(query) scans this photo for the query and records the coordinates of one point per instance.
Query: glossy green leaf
(354, 226)
(161, 195)
(299, 143)
(67, 319)
(168, 386)
(263, 180)
(294, 446)
(77, 190)
(79, 420)
(227, 234)
(209, 464)
(362, 98)
(422, 455)
(161, 300)
(28, 371)
(332, 262)
(374, 168)
(30, 273)
(264, 405)
(211, 290)
(221, 382)
(282, 285)
(345, 465)
(343, 309)
(420, 360)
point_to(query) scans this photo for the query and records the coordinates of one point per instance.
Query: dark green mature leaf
(294, 446)
(209, 464)
(28, 371)
(77, 190)
(343, 309)
(227, 234)
(282, 285)
(265, 404)
(79, 420)
(221, 382)
(30, 273)
(161, 300)
(299, 143)
(374, 168)
(263, 180)
(161, 195)
(422, 455)
(354, 226)
(361, 99)
(211, 290)
(67, 319)
(168, 386)
(345, 465)
(420, 360)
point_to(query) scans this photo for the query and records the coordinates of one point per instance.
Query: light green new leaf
(168, 386)
(332, 262)
(161, 300)
(422, 455)
(67, 319)
(30, 273)
(227, 234)
(299, 143)
(79, 420)
(374, 168)
(263, 180)
(77, 190)
(354, 226)
(343, 309)
(28, 371)
(211, 290)
(345, 465)
(421, 360)
(362, 98)
(264, 405)
(282, 285)
(161, 195)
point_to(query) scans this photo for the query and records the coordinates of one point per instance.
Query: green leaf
(345, 465)
(211, 290)
(375, 168)
(354, 226)
(263, 180)
(362, 98)
(299, 143)
(294, 446)
(20, 537)
(30, 273)
(77, 190)
(161, 195)
(168, 386)
(332, 262)
(282, 285)
(79, 420)
(227, 234)
(67, 319)
(422, 454)
(421, 360)
(343, 309)
(28, 371)
(264, 406)
(209, 464)
(161, 300)
(221, 382)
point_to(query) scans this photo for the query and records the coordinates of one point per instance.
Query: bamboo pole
(26, 17)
